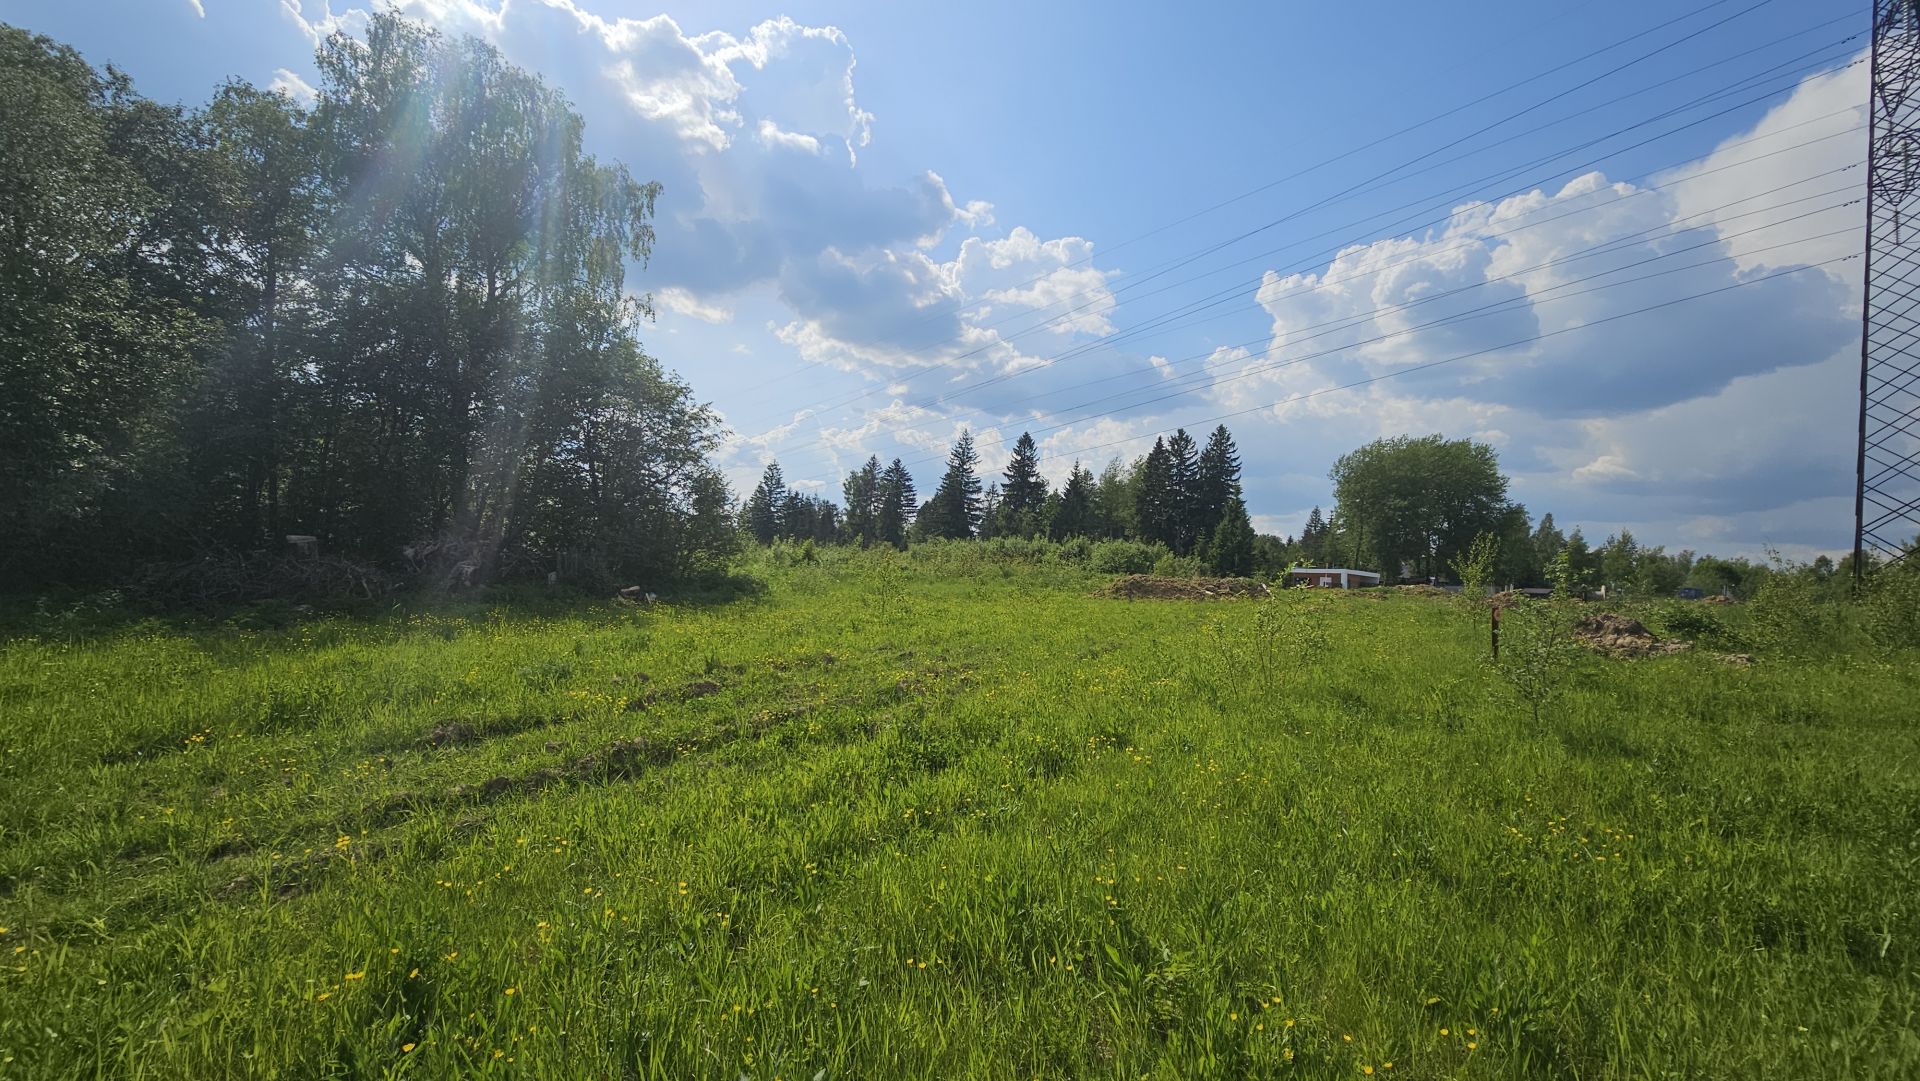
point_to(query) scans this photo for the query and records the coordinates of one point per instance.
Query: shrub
(1125, 557)
(1790, 613)
(1173, 566)
(1698, 623)
(1890, 610)
(1537, 653)
(1475, 566)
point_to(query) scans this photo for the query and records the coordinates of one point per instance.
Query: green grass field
(965, 820)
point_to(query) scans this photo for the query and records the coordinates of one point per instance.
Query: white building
(1333, 577)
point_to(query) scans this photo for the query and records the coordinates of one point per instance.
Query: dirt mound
(1155, 588)
(1622, 636)
(1719, 598)
(1422, 589)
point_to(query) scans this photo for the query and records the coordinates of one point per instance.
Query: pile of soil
(1621, 636)
(1422, 589)
(1155, 588)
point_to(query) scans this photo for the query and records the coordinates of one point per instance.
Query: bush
(1173, 566)
(1696, 622)
(1125, 557)
(1790, 614)
(1891, 608)
(1537, 653)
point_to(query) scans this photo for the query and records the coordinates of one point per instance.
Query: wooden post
(1494, 623)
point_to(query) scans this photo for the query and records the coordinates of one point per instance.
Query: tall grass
(935, 815)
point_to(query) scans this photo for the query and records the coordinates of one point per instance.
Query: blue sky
(883, 222)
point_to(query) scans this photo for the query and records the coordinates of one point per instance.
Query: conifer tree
(896, 507)
(1153, 497)
(1025, 491)
(767, 505)
(954, 509)
(1216, 482)
(1313, 537)
(1183, 470)
(992, 524)
(1073, 517)
(1231, 548)
(862, 493)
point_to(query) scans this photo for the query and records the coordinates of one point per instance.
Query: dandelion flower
(323, 996)
(511, 990)
(357, 975)
(1472, 1046)
(1444, 1032)
(1368, 1070)
(406, 1048)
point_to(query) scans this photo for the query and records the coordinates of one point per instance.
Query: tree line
(394, 318)
(1179, 495)
(1408, 507)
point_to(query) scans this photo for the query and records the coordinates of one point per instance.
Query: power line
(1417, 126)
(1409, 129)
(1509, 306)
(1347, 322)
(1501, 175)
(1165, 321)
(1599, 248)
(1501, 307)
(1385, 179)
(1513, 229)
(1453, 359)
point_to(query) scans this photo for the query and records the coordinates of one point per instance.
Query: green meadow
(943, 815)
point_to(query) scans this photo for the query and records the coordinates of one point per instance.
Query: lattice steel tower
(1886, 507)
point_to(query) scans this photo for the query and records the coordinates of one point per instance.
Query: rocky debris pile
(1156, 588)
(1623, 636)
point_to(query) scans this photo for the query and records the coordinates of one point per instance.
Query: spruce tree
(1074, 515)
(897, 505)
(862, 492)
(954, 509)
(992, 520)
(1153, 502)
(1216, 482)
(1231, 548)
(1183, 468)
(1313, 538)
(767, 504)
(1025, 491)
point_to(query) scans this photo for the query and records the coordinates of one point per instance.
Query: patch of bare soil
(1621, 636)
(1422, 589)
(1156, 588)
